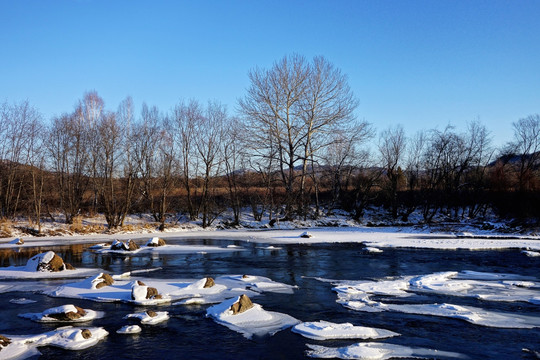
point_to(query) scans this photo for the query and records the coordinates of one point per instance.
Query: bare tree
(289, 106)
(392, 144)
(526, 146)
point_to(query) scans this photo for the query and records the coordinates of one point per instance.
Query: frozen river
(399, 299)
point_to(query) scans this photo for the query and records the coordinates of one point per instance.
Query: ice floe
(22, 301)
(68, 338)
(199, 291)
(377, 351)
(150, 317)
(360, 296)
(325, 330)
(129, 329)
(65, 313)
(252, 321)
(46, 265)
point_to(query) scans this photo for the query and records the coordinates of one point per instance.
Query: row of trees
(295, 149)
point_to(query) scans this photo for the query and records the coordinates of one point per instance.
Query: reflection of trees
(19, 256)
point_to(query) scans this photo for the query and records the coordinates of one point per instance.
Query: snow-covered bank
(371, 237)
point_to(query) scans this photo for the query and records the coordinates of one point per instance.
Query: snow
(44, 316)
(129, 329)
(325, 330)
(358, 295)
(67, 337)
(34, 261)
(377, 351)
(146, 319)
(371, 249)
(22, 272)
(253, 322)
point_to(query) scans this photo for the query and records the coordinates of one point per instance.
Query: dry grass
(6, 228)
(78, 227)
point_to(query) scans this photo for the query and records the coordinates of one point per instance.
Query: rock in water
(46, 262)
(105, 280)
(209, 283)
(86, 334)
(4, 341)
(151, 313)
(151, 292)
(155, 241)
(69, 315)
(131, 245)
(306, 235)
(244, 303)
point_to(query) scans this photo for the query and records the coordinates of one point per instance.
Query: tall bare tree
(392, 145)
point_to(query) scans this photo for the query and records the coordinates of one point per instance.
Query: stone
(151, 292)
(4, 341)
(154, 242)
(131, 245)
(69, 316)
(244, 303)
(209, 283)
(106, 280)
(151, 313)
(86, 334)
(54, 265)
(306, 235)
(139, 282)
(69, 266)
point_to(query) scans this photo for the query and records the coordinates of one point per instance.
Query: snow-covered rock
(47, 262)
(17, 241)
(150, 317)
(155, 242)
(64, 313)
(252, 321)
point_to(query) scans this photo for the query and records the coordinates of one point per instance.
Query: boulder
(306, 235)
(139, 282)
(68, 315)
(209, 283)
(69, 266)
(151, 313)
(244, 303)
(155, 241)
(118, 245)
(86, 334)
(46, 262)
(131, 245)
(4, 341)
(103, 280)
(151, 292)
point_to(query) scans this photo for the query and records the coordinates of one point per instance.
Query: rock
(131, 245)
(306, 235)
(17, 241)
(245, 276)
(105, 280)
(118, 245)
(47, 262)
(86, 334)
(139, 282)
(244, 303)
(151, 292)
(4, 341)
(209, 283)
(69, 266)
(69, 316)
(151, 313)
(156, 241)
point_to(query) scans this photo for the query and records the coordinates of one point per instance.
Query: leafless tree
(526, 147)
(290, 106)
(392, 143)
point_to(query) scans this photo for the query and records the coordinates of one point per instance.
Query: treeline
(295, 150)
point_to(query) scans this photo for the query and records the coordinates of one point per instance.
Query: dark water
(190, 335)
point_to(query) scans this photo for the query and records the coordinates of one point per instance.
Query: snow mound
(129, 329)
(150, 317)
(377, 351)
(254, 321)
(65, 313)
(325, 330)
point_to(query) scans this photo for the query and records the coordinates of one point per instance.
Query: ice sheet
(325, 330)
(44, 316)
(377, 351)
(145, 318)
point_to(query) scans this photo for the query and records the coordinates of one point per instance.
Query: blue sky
(422, 64)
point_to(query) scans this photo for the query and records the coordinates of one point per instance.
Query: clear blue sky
(422, 64)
